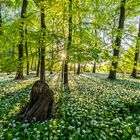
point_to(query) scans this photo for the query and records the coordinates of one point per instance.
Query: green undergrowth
(90, 108)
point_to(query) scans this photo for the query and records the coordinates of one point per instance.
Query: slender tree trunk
(27, 55)
(35, 65)
(51, 65)
(66, 72)
(74, 69)
(19, 74)
(42, 50)
(78, 69)
(134, 72)
(114, 65)
(32, 61)
(38, 64)
(69, 44)
(62, 70)
(52, 49)
(94, 67)
(85, 68)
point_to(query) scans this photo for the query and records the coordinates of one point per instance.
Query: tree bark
(65, 72)
(69, 44)
(42, 49)
(38, 63)
(19, 74)
(35, 65)
(74, 69)
(78, 69)
(51, 65)
(94, 67)
(85, 68)
(134, 72)
(27, 55)
(62, 70)
(114, 65)
(41, 104)
(32, 61)
(52, 49)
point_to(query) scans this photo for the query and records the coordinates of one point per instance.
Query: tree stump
(41, 104)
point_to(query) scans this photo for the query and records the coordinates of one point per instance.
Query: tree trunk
(114, 65)
(41, 104)
(74, 69)
(65, 72)
(19, 74)
(85, 68)
(38, 64)
(42, 49)
(52, 49)
(134, 72)
(27, 55)
(51, 72)
(78, 69)
(35, 65)
(32, 61)
(69, 44)
(51, 65)
(94, 67)
(62, 70)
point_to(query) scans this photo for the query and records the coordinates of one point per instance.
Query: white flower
(62, 122)
(13, 121)
(46, 133)
(62, 126)
(137, 128)
(14, 124)
(25, 130)
(26, 121)
(51, 137)
(17, 134)
(70, 127)
(78, 129)
(79, 123)
(9, 124)
(83, 131)
(15, 138)
(35, 129)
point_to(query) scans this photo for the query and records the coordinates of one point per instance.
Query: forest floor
(91, 108)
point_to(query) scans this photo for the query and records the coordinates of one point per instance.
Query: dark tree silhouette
(69, 44)
(19, 74)
(114, 65)
(42, 49)
(134, 72)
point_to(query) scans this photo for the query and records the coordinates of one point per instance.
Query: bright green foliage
(87, 16)
(127, 61)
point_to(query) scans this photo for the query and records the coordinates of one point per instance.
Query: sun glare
(63, 56)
